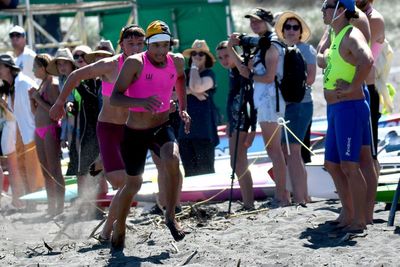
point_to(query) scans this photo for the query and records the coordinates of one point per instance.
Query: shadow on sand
(324, 236)
(120, 259)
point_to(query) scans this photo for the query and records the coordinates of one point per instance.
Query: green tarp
(188, 20)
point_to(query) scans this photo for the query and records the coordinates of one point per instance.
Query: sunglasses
(200, 54)
(77, 56)
(17, 35)
(291, 27)
(325, 6)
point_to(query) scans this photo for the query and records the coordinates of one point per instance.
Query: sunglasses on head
(325, 6)
(77, 56)
(200, 54)
(291, 27)
(15, 34)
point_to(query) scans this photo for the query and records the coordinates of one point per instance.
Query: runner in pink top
(107, 87)
(111, 121)
(148, 125)
(154, 81)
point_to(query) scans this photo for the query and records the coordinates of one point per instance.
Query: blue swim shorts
(348, 130)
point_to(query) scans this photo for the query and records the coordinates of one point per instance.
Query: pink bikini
(52, 128)
(153, 81)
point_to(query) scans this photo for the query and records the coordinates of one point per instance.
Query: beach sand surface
(290, 236)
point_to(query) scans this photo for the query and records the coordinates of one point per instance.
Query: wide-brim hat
(199, 45)
(91, 57)
(103, 49)
(62, 53)
(82, 48)
(7, 60)
(306, 33)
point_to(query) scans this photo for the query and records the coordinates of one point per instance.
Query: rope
(281, 122)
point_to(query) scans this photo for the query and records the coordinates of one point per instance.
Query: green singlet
(337, 68)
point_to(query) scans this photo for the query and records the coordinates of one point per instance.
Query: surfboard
(216, 185)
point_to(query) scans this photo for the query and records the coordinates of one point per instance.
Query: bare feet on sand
(176, 231)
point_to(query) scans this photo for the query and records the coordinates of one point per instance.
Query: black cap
(7, 60)
(261, 14)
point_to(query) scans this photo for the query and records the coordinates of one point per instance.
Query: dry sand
(287, 236)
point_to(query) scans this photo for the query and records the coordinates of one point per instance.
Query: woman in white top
(262, 70)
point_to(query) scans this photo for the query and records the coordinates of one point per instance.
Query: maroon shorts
(110, 136)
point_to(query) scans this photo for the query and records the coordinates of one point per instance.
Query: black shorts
(136, 143)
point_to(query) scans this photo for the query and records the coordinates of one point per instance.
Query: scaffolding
(79, 9)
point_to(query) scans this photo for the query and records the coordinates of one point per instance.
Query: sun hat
(261, 14)
(7, 60)
(281, 20)
(17, 29)
(104, 49)
(62, 53)
(82, 48)
(348, 4)
(199, 45)
(157, 31)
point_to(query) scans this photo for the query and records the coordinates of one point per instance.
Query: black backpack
(293, 83)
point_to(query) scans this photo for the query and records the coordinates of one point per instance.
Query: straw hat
(82, 48)
(104, 49)
(305, 35)
(62, 53)
(199, 45)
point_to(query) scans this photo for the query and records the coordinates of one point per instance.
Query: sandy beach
(290, 236)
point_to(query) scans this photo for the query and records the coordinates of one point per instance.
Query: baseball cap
(17, 29)
(348, 4)
(157, 31)
(7, 60)
(261, 14)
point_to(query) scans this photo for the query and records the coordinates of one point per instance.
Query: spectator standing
(293, 30)
(197, 148)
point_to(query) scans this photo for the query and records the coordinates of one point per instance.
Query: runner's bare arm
(360, 52)
(91, 71)
(322, 49)
(271, 60)
(96, 69)
(129, 73)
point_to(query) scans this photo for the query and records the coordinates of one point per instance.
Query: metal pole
(29, 19)
(394, 205)
(228, 20)
(82, 31)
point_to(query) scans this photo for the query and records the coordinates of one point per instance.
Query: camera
(248, 41)
(253, 41)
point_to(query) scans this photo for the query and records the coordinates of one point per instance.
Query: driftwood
(189, 258)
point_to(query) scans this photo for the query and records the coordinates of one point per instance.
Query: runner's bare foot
(117, 239)
(176, 231)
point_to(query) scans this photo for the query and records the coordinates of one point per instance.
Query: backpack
(293, 83)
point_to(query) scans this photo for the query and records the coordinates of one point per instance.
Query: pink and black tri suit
(152, 81)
